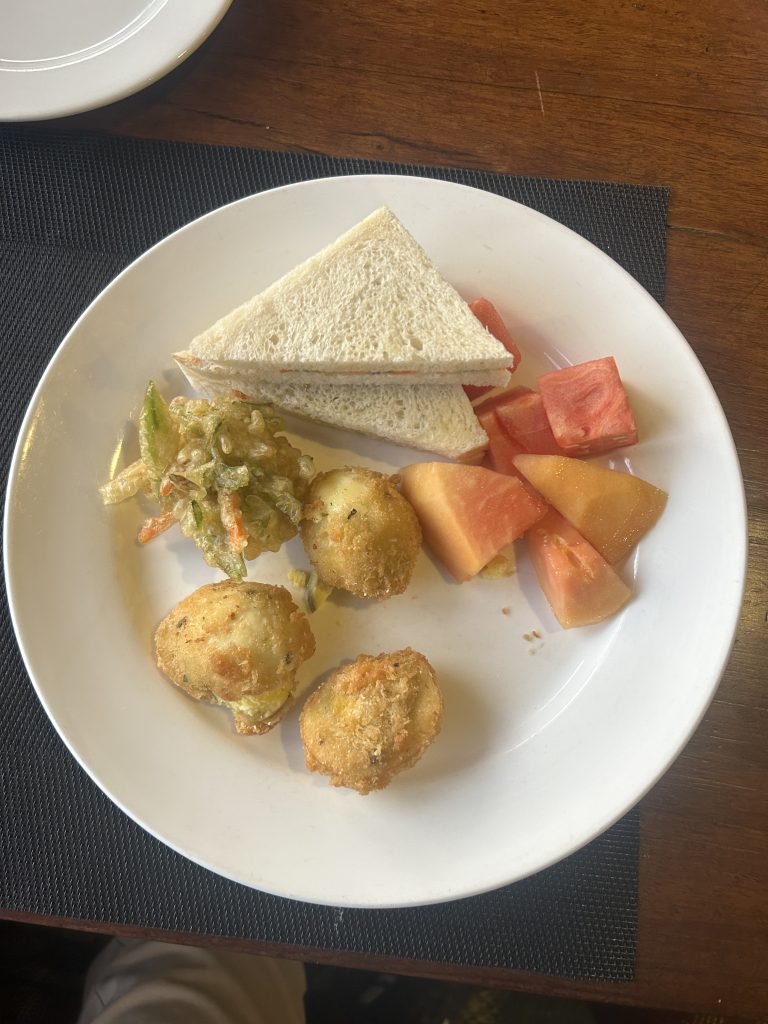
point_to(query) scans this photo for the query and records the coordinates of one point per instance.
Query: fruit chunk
(468, 513)
(489, 317)
(497, 396)
(612, 510)
(502, 566)
(579, 584)
(524, 419)
(587, 407)
(502, 449)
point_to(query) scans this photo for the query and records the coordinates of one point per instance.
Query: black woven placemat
(75, 209)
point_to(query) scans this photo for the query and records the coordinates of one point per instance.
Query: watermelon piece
(612, 510)
(473, 391)
(502, 449)
(489, 317)
(468, 514)
(497, 396)
(524, 419)
(587, 407)
(579, 584)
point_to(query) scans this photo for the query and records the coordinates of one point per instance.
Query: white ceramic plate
(544, 744)
(62, 58)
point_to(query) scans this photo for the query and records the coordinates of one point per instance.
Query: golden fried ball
(237, 644)
(360, 533)
(372, 719)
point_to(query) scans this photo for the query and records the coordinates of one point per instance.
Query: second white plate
(59, 58)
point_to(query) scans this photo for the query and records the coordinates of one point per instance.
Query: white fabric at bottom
(136, 982)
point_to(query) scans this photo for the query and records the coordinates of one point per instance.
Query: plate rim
(205, 16)
(725, 645)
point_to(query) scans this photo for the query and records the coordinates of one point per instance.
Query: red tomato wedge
(489, 317)
(579, 584)
(587, 408)
(524, 419)
(468, 513)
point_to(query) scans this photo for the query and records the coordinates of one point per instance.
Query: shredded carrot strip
(155, 526)
(232, 518)
(167, 487)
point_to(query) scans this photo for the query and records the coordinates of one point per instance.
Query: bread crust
(372, 304)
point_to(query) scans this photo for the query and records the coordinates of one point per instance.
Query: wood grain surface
(671, 92)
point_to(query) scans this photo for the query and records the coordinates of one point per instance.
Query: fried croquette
(237, 644)
(360, 533)
(372, 719)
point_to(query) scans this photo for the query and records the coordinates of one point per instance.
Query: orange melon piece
(612, 510)
(468, 513)
(579, 584)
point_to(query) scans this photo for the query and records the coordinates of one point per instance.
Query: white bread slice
(371, 304)
(436, 418)
(297, 375)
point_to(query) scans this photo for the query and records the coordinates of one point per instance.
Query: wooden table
(671, 92)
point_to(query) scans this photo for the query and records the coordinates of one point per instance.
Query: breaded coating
(372, 719)
(360, 533)
(237, 644)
